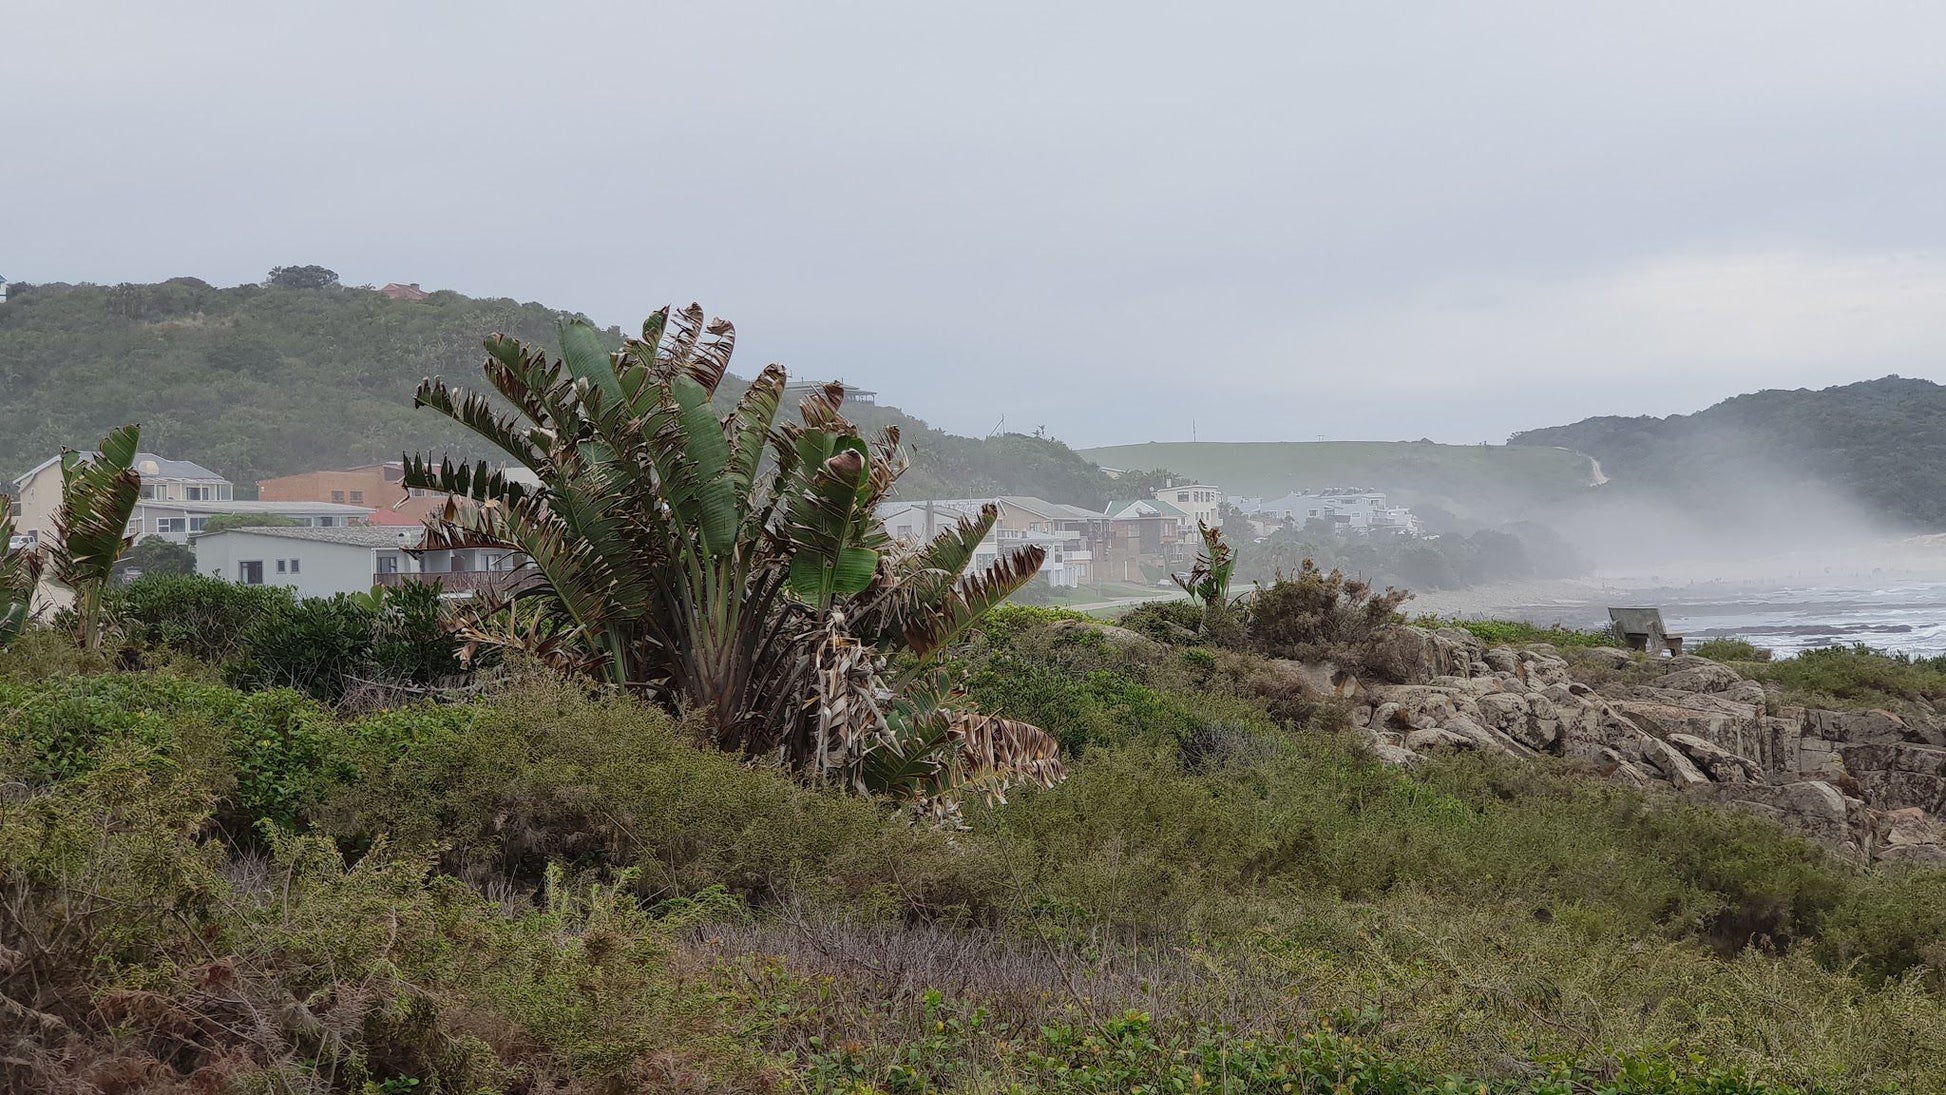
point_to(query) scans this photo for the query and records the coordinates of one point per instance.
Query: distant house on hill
(795, 391)
(395, 291)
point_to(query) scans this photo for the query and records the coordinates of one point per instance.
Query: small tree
(1208, 583)
(157, 556)
(301, 277)
(98, 496)
(1322, 616)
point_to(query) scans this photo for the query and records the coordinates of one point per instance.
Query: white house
(1356, 508)
(322, 562)
(1070, 534)
(178, 498)
(1201, 501)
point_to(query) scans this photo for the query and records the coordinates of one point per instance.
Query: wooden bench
(1641, 629)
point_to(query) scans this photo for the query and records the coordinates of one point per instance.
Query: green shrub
(1518, 633)
(1320, 616)
(267, 756)
(327, 646)
(545, 774)
(1175, 622)
(1730, 650)
(204, 617)
(1856, 675)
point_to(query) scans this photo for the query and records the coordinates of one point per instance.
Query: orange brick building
(379, 486)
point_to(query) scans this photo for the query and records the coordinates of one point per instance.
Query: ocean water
(1907, 616)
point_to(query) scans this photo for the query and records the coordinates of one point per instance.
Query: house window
(250, 572)
(357, 497)
(196, 523)
(337, 496)
(327, 522)
(280, 566)
(388, 564)
(294, 563)
(172, 524)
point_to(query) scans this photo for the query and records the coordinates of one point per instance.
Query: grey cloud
(1376, 220)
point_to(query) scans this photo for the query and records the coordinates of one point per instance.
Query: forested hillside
(1878, 443)
(259, 381)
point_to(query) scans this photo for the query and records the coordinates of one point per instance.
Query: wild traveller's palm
(732, 567)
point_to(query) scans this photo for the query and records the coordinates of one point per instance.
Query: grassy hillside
(1468, 477)
(1878, 443)
(256, 382)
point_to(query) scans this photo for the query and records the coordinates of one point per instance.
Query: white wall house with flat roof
(324, 562)
(314, 562)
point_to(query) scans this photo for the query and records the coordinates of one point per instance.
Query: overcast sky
(1275, 220)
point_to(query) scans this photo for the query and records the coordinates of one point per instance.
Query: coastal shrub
(265, 756)
(1177, 623)
(1320, 616)
(543, 773)
(140, 960)
(198, 615)
(1520, 633)
(326, 647)
(1730, 650)
(1856, 675)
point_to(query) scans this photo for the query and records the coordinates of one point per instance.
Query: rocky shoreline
(1869, 784)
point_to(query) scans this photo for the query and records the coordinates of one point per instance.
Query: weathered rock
(1415, 655)
(1432, 737)
(1812, 808)
(1914, 855)
(1539, 670)
(1721, 765)
(1395, 755)
(1749, 692)
(1608, 657)
(1670, 762)
(1861, 727)
(1707, 677)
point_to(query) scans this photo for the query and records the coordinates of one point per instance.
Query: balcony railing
(455, 581)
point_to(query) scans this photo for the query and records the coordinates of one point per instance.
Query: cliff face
(1869, 783)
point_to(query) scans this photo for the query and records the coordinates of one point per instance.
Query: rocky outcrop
(1866, 782)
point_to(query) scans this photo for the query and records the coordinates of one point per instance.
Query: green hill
(1878, 444)
(258, 382)
(1488, 480)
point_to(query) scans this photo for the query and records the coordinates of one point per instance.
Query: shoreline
(1583, 601)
